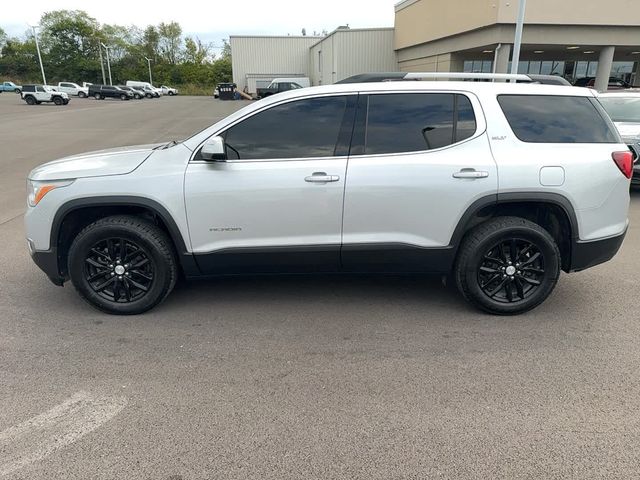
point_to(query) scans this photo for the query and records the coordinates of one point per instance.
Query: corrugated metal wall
(261, 59)
(348, 52)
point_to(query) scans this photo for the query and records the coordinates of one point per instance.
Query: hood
(630, 132)
(114, 161)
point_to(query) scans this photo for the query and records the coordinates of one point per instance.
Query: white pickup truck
(73, 89)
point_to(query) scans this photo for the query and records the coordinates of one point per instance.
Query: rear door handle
(321, 177)
(470, 173)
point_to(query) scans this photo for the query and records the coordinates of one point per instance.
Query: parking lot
(299, 377)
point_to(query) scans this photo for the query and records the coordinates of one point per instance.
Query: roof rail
(466, 76)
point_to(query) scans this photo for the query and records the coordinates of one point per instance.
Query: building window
(478, 66)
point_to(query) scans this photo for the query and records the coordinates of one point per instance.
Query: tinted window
(557, 119)
(300, 129)
(40, 89)
(410, 122)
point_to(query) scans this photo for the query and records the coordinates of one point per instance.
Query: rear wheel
(58, 100)
(122, 265)
(123, 97)
(82, 94)
(30, 100)
(507, 266)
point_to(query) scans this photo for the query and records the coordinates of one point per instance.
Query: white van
(133, 83)
(301, 81)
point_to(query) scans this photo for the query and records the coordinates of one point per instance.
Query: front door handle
(470, 173)
(321, 177)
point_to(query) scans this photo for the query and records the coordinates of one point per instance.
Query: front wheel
(122, 265)
(123, 97)
(171, 93)
(58, 100)
(97, 96)
(17, 90)
(507, 266)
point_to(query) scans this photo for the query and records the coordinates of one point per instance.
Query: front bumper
(589, 254)
(47, 261)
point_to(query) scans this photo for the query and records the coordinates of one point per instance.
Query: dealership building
(571, 38)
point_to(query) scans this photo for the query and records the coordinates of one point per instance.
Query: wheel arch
(552, 211)
(76, 214)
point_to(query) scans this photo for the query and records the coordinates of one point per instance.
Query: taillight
(624, 161)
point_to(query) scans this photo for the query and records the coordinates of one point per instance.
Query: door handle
(470, 173)
(321, 177)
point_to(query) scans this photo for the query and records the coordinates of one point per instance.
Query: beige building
(571, 38)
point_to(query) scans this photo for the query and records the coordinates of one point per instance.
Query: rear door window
(557, 119)
(411, 122)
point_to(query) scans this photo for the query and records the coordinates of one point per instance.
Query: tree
(3, 38)
(226, 49)
(170, 41)
(195, 51)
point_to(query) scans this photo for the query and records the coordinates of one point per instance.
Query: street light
(149, 63)
(518, 40)
(35, 35)
(108, 62)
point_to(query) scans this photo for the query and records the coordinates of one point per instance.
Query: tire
(30, 100)
(97, 96)
(125, 290)
(81, 94)
(123, 97)
(65, 102)
(58, 100)
(148, 95)
(171, 93)
(485, 277)
(17, 90)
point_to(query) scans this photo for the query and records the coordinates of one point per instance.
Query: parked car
(137, 94)
(100, 92)
(168, 90)
(624, 110)
(10, 87)
(146, 85)
(216, 93)
(614, 83)
(71, 88)
(141, 92)
(37, 94)
(501, 185)
(279, 85)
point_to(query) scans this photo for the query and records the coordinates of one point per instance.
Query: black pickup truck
(277, 87)
(100, 92)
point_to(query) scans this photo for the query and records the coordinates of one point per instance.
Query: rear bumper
(47, 261)
(589, 254)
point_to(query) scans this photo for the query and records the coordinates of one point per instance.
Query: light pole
(149, 63)
(104, 81)
(517, 44)
(108, 62)
(35, 35)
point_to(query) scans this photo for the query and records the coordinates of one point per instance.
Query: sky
(215, 19)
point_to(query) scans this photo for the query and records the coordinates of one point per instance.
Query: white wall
(349, 52)
(265, 58)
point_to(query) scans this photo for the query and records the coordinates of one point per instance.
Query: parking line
(44, 434)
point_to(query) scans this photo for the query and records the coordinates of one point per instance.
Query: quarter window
(557, 119)
(300, 129)
(411, 122)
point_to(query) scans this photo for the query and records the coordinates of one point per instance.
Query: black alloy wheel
(511, 271)
(507, 265)
(119, 270)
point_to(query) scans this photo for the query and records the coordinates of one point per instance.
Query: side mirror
(213, 150)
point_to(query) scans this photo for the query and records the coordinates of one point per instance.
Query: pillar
(605, 63)
(501, 59)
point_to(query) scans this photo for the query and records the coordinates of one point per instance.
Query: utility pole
(517, 44)
(104, 80)
(149, 63)
(108, 62)
(35, 35)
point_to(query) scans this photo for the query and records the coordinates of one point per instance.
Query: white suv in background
(502, 185)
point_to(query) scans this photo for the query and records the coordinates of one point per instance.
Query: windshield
(622, 109)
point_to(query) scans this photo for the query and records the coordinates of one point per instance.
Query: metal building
(344, 52)
(256, 60)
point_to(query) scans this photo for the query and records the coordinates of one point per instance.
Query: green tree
(195, 51)
(170, 41)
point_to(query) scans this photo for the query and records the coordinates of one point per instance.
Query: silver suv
(500, 185)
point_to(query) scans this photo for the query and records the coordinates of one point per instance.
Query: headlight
(36, 190)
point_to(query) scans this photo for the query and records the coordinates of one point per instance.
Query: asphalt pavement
(299, 377)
